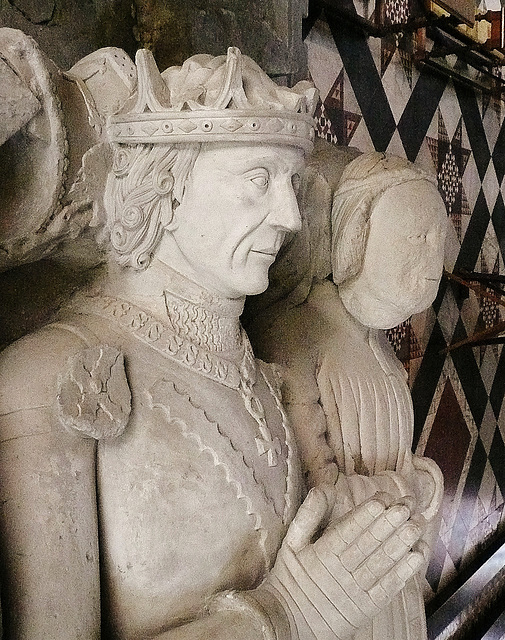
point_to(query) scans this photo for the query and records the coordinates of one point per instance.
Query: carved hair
(363, 182)
(143, 190)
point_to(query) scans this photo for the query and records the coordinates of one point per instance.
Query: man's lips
(269, 251)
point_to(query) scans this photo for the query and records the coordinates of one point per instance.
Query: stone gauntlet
(327, 586)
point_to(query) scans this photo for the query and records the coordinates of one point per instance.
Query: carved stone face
(239, 204)
(403, 258)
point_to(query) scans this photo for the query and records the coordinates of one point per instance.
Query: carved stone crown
(223, 99)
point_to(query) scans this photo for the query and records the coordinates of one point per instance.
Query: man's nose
(285, 213)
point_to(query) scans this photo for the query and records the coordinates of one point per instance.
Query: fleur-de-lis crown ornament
(213, 99)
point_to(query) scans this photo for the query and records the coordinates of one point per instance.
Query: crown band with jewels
(206, 100)
(214, 127)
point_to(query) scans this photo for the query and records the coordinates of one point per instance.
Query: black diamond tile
(449, 447)
(427, 379)
(474, 236)
(497, 460)
(475, 474)
(474, 478)
(474, 127)
(499, 154)
(366, 84)
(459, 535)
(498, 218)
(469, 375)
(459, 292)
(313, 16)
(419, 112)
(437, 303)
(498, 389)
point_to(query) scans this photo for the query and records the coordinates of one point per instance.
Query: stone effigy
(150, 482)
(344, 389)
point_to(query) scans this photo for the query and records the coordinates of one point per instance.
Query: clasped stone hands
(333, 576)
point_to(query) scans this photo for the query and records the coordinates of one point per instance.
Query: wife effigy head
(388, 232)
(363, 182)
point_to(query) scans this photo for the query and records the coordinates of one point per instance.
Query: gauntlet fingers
(343, 533)
(307, 520)
(337, 584)
(354, 602)
(367, 592)
(394, 581)
(386, 556)
(379, 531)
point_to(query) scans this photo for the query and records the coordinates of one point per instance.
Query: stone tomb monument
(151, 485)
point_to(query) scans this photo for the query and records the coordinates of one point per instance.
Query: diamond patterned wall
(374, 97)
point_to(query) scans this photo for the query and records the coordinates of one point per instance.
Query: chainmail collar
(205, 319)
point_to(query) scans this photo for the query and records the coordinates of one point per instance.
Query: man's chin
(255, 288)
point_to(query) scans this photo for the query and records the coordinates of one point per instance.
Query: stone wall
(269, 31)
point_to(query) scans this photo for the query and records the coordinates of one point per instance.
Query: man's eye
(260, 180)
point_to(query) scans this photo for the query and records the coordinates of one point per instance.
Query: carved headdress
(363, 182)
(213, 99)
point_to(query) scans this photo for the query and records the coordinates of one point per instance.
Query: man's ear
(170, 215)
